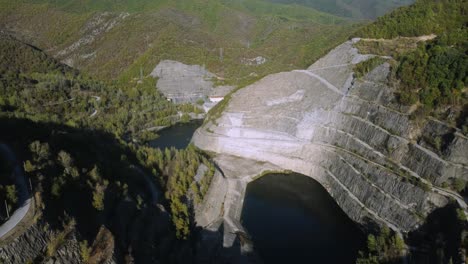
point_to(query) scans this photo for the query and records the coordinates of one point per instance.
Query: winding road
(95, 112)
(24, 197)
(98, 98)
(149, 182)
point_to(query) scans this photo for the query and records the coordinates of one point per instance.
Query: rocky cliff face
(349, 134)
(145, 232)
(29, 246)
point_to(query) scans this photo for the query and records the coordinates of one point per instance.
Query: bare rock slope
(183, 83)
(346, 133)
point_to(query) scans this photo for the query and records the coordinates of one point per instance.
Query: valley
(233, 131)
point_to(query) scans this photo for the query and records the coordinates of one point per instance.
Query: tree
(65, 159)
(98, 195)
(29, 167)
(95, 174)
(98, 200)
(399, 243)
(11, 194)
(371, 243)
(459, 184)
(40, 151)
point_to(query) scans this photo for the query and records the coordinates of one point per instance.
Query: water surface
(292, 219)
(178, 135)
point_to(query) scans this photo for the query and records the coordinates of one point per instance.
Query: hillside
(67, 132)
(35, 86)
(116, 39)
(433, 75)
(359, 9)
(380, 122)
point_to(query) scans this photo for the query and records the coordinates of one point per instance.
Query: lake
(177, 136)
(292, 219)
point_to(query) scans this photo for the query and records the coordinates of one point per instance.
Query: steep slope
(117, 39)
(86, 203)
(38, 87)
(342, 122)
(344, 132)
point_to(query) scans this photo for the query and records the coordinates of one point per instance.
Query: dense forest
(37, 87)
(432, 73)
(108, 179)
(73, 135)
(425, 17)
(175, 171)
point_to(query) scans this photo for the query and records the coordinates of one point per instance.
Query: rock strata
(349, 134)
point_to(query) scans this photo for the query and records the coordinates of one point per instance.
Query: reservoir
(177, 136)
(292, 219)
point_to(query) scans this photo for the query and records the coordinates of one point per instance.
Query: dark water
(178, 135)
(292, 219)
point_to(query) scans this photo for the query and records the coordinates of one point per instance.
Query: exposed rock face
(95, 28)
(146, 233)
(183, 83)
(33, 244)
(348, 134)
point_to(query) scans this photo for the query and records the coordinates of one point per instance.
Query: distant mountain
(361, 9)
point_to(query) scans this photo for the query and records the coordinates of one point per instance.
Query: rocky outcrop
(349, 134)
(95, 28)
(32, 245)
(183, 83)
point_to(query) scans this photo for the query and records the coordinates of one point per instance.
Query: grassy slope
(360, 9)
(189, 31)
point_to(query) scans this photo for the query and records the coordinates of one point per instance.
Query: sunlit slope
(361, 9)
(115, 39)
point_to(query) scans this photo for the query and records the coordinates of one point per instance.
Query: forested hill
(433, 74)
(115, 39)
(422, 18)
(35, 86)
(66, 129)
(360, 9)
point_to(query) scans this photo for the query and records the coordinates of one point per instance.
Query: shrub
(84, 251)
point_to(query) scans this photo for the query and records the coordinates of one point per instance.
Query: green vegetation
(9, 195)
(425, 17)
(8, 192)
(84, 251)
(456, 184)
(192, 32)
(362, 68)
(432, 74)
(369, 9)
(59, 238)
(69, 166)
(34, 86)
(461, 215)
(387, 47)
(383, 248)
(74, 156)
(175, 171)
(435, 74)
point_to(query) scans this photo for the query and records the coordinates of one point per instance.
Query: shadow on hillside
(134, 226)
(439, 239)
